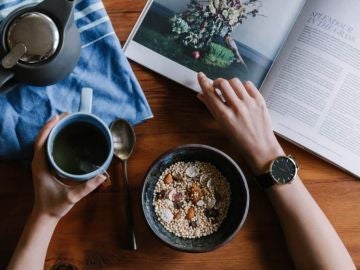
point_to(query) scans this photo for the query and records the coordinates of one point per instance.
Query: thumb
(80, 191)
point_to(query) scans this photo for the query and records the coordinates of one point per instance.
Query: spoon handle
(128, 209)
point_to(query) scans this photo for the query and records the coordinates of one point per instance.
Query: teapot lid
(38, 33)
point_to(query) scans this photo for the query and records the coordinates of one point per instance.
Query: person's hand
(52, 197)
(244, 117)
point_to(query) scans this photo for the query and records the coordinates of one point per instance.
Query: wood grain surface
(92, 236)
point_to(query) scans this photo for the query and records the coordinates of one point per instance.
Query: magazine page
(223, 38)
(313, 89)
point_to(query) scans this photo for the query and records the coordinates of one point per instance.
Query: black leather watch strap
(265, 180)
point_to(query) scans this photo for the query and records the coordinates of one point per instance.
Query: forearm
(312, 240)
(31, 249)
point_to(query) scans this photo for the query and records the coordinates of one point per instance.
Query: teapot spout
(62, 10)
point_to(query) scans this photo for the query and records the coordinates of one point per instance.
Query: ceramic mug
(73, 133)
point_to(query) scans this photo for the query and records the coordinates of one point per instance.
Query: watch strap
(265, 180)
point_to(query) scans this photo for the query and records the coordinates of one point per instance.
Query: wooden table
(92, 235)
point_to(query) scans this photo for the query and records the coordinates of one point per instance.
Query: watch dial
(283, 170)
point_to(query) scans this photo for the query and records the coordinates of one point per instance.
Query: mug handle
(86, 100)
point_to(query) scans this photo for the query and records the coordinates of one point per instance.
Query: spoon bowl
(123, 138)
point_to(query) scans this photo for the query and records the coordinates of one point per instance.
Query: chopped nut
(210, 202)
(192, 171)
(166, 215)
(168, 179)
(177, 177)
(196, 188)
(178, 205)
(190, 213)
(193, 224)
(200, 203)
(178, 197)
(177, 215)
(195, 193)
(171, 194)
(161, 195)
(203, 177)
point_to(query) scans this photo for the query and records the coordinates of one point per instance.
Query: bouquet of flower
(204, 19)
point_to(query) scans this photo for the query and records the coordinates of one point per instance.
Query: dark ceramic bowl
(238, 208)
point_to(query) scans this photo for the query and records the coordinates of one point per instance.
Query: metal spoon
(124, 139)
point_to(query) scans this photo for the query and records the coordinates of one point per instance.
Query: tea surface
(80, 148)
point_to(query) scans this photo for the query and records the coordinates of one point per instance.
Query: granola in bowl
(191, 199)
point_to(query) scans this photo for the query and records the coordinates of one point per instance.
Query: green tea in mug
(80, 148)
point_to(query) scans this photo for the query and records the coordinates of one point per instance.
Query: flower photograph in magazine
(223, 38)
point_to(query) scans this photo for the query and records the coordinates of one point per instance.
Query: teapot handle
(63, 10)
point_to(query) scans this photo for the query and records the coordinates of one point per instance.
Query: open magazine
(303, 55)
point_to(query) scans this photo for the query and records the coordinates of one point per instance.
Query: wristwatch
(283, 170)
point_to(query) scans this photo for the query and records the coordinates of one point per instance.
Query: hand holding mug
(52, 197)
(80, 145)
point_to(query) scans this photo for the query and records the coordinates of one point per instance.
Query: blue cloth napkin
(102, 66)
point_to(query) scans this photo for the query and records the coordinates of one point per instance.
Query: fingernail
(54, 118)
(63, 115)
(101, 177)
(202, 75)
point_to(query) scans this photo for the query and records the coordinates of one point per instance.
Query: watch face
(283, 170)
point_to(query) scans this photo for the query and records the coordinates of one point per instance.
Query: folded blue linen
(102, 66)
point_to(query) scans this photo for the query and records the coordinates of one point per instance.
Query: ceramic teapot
(40, 44)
